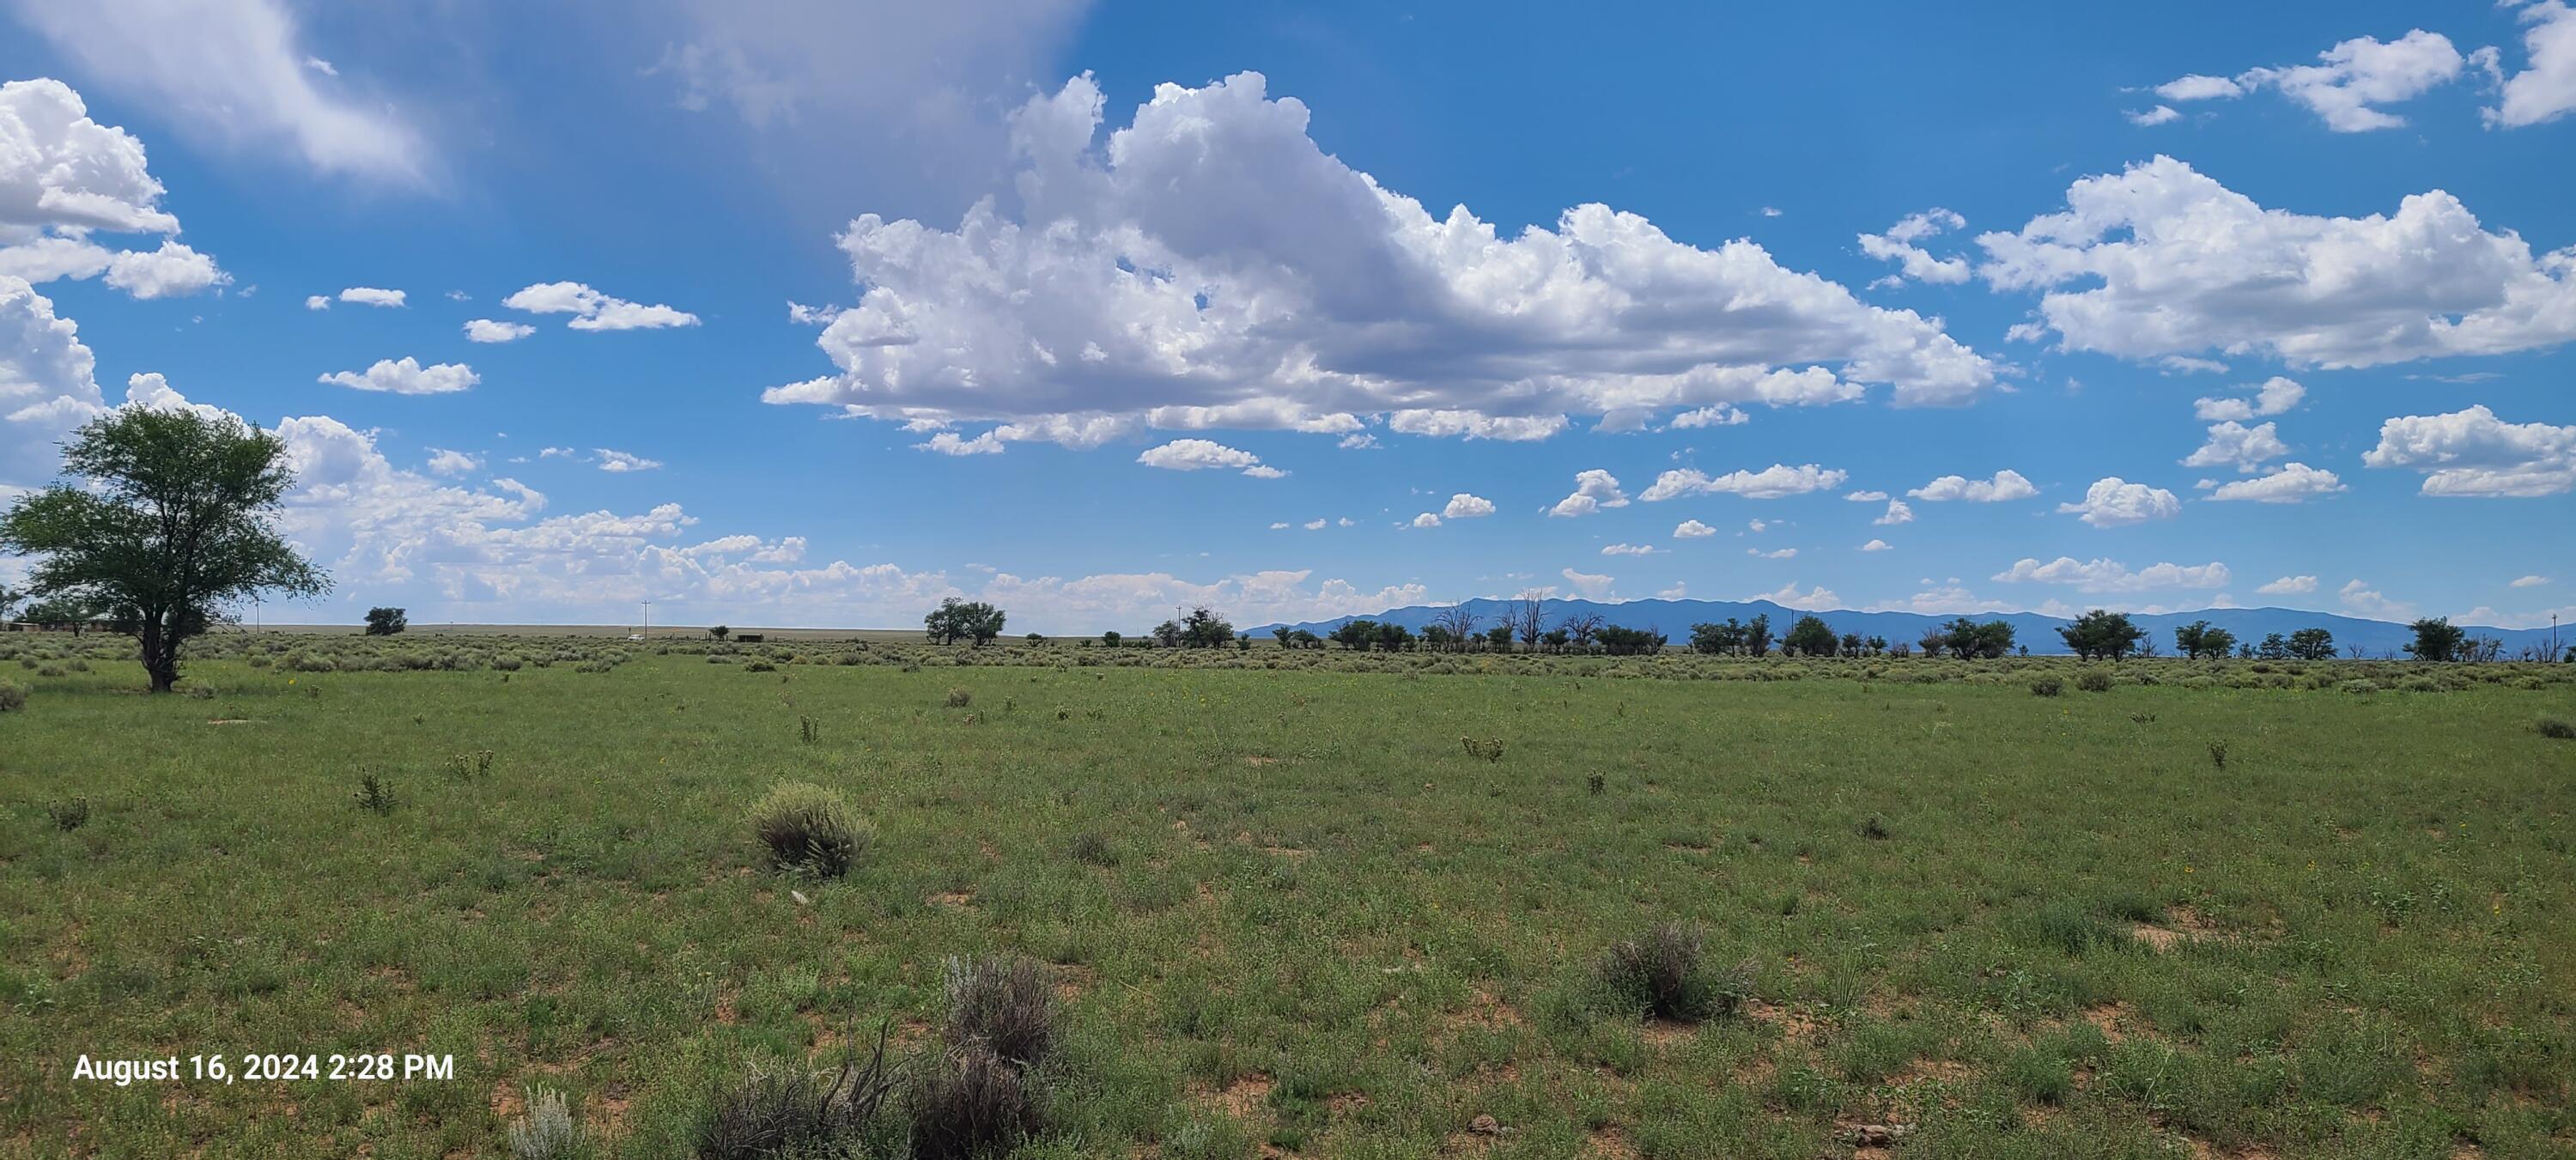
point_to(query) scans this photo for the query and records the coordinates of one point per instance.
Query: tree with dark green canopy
(2102, 635)
(1811, 637)
(174, 525)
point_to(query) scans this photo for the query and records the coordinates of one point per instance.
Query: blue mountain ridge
(2377, 638)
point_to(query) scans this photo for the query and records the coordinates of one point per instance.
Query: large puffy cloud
(2473, 453)
(2293, 483)
(1774, 482)
(168, 272)
(59, 168)
(2546, 90)
(2112, 576)
(2349, 82)
(2115, 502)
(65, 177)
(2007, 485)
(48, 383)
(405, 376)
(1211, 255)
(231, 71)
(2177, 263)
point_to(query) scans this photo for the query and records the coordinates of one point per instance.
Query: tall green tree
(9, 598)
(2437, 639)
(1811, 637)
(2200, 639)
(2102, 635)
(955, 620)
(1203, 628)
(174, 525)
(2312, 644)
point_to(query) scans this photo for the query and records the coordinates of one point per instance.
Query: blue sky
(1748, 264)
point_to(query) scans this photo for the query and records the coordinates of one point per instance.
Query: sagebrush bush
(809, 828)
(970, 1102)
(1003, 1003)
(2093, 681)
(547, 1131)
(960, 698)
(2047, 687)
(13, 697)
(2553, 727)
(1661, 973)
(70, 815)
(791, 1113)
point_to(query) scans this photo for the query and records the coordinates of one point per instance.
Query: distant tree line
(2097, 635)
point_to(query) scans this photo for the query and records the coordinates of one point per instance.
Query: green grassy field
(1287, 911)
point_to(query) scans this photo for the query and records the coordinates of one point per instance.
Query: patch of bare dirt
(1794, 1025)
(1242, 1099)
(2111, 1019)
(1665, 1033)
(952, 899)
(1607, 1142)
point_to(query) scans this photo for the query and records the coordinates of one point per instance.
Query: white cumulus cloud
(2349, 82)
(1898, 245)
(2275, 396)
(2472, 453)
(1774, 482)
(2103, 575)
(2115, 502)
(1202, 455)
(592, 310)
(405, 376)
(2293, 483)
(2006, 485)
(1593, 490)
(1463, 506)
(489, 330)
(1211, 255)
(2174, 263)
(2546, 89)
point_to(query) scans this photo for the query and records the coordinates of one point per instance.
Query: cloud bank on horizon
(1216, 344)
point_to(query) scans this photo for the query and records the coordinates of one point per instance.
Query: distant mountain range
(1674, 617)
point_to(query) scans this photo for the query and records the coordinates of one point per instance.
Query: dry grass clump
(808, 828)
(1661, 973)
(791, 1113)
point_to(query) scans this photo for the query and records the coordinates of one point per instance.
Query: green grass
(1291, 909)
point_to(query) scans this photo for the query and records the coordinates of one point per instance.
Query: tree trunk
(160, 653)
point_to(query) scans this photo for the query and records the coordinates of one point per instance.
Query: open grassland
(1305, 904)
